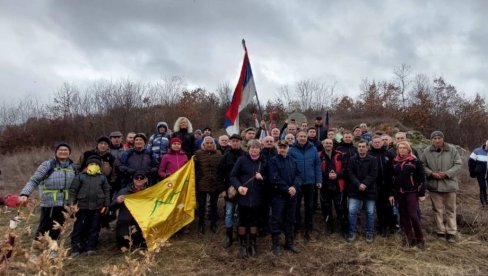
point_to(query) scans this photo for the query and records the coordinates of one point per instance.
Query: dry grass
(192, 254)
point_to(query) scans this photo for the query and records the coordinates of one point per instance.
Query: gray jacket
(53, 190)
(447, 160)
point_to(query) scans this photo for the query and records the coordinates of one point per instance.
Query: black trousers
(384, 212)
(333, 200)
(46, 222)
(306, 192)
(202, 206)
(85, 230)
(122, 231)
(283, 212)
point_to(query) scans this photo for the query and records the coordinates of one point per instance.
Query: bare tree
(225, 93)
(402, 76)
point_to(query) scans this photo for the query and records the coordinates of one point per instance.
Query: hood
(162, 124)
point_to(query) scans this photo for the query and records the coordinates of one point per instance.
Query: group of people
(265, 177)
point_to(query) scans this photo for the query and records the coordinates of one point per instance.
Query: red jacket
(334, 163)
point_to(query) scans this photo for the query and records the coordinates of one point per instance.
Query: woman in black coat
(247, 177)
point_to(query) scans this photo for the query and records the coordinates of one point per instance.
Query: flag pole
(256, 91)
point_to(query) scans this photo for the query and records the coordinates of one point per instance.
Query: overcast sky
(46, 43)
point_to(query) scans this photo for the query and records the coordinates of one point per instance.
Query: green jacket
(446, 160)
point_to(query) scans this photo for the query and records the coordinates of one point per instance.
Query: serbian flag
(243, 94)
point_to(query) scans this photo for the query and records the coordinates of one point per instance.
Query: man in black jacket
(223, 176)
(362, 172)
(285, 180)
(384, 208)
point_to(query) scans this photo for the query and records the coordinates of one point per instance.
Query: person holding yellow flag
(125, 220)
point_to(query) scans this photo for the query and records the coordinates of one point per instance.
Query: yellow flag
(165, 208)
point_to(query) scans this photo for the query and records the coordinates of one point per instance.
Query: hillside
(193, 254)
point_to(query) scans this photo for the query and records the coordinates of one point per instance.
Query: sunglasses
(140, 177)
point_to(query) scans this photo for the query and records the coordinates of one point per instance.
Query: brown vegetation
(192, 254)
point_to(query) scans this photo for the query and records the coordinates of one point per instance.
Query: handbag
(232, 192)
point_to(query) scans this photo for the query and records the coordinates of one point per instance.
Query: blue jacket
(244, 170)
(308, 162)
(283, 173)
(159, 142)
(477, 162)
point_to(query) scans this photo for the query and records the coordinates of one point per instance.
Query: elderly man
(442, 164)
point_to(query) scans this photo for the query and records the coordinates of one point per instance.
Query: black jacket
(245, 170)
(409, 176)
(384, 180)
(283, 174)
(348, 150)
(226, 164)
(90, 192)
(362, 171)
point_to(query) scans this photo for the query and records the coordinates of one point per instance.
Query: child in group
(173, 160)
(91, 191)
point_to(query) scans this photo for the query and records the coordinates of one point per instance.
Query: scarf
(400, 159)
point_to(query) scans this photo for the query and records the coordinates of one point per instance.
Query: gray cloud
(46, 43)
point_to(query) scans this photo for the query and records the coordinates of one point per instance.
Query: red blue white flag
(243, 94)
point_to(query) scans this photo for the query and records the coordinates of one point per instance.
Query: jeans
(354, 207)
(230, 211)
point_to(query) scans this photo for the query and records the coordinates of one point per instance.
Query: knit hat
(141, 135)
(62, 144)
(94, 159)
(207, 128)
(174, 140)
(103, 139)
(436, 133)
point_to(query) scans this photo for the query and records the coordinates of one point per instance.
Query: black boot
(289, 245)
(276, 246)
(252, 245)
(229, 237)
(243, 249)
(483, 198)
